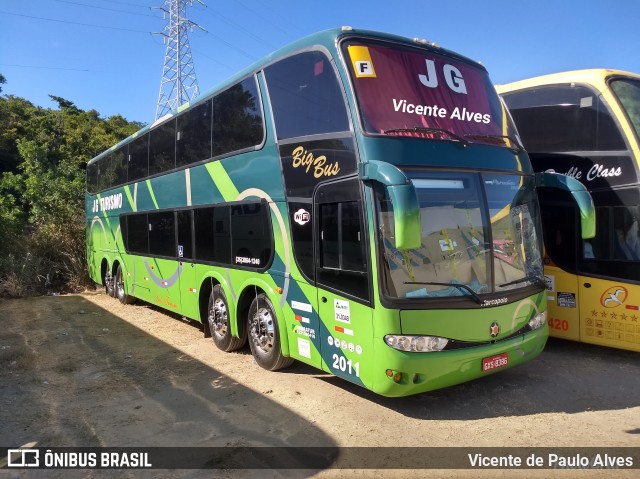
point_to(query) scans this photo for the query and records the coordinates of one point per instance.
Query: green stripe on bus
(153, 196)
(221, 178)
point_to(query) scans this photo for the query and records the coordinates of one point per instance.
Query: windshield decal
(409, 88)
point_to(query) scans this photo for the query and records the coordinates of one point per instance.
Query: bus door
(560, 222)
(342, 275)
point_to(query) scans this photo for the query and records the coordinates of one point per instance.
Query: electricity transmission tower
(179, 83)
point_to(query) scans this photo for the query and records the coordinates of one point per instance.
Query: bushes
(43, 154)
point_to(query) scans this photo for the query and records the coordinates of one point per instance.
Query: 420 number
(559, 324)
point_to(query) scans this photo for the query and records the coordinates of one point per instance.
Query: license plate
(495, 362)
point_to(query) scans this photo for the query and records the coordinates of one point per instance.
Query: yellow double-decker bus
(585, 124)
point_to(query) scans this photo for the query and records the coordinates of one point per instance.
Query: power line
(108, 9)
(265, 19)
(74, 23)
(238, 26)
(43, 67)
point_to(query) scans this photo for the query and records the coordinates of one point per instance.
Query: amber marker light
(278, 290)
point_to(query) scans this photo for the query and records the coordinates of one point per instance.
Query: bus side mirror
(580, 195)
(406, 209)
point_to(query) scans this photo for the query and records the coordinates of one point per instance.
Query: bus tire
(264, 336)
(121, 292)
(108, 283)
(219, 324)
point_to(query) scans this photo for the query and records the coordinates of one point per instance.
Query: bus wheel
(122, 295)
(219, 325)
(264, 338)
(108, 283)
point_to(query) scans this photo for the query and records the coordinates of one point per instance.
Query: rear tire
(264, 336)
(121, 292)
(109, 284)
(219, 324)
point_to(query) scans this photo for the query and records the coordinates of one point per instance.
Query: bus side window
(193, 135)
(162, 148)
(237, 118)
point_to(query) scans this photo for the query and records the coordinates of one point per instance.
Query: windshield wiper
(464, 287)
(532, 278)
(437, 131)
(516, 149)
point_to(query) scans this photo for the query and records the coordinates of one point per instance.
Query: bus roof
(595, 76)
(325, 38)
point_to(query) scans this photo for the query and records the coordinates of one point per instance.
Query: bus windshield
(478, 237)
(628, 93)
(415, 92)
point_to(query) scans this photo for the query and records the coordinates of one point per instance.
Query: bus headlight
(538, 320)
(418, 344)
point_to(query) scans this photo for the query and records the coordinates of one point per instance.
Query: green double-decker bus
(356, 201)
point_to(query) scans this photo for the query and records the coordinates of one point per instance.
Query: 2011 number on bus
(345, 365)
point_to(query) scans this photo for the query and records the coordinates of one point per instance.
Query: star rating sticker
(603, 314)
(594, 312)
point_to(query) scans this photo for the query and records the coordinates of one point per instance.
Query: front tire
(264, 336)
(219, 324)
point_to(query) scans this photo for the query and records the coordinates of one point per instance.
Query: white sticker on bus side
(301, 306)
(341, 311)
(304, 348)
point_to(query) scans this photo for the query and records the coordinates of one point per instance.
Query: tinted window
(194, 135)
(137, 234)
(120, 166)
(106, 175)
(563, 118)
(162, 239)
(138, 158)
(92, 177)
(237, 118)
(162, 148)
(185, 249)
(203, 227)
(222, 235)
(340, 241)
(250, 234)
(306, 96)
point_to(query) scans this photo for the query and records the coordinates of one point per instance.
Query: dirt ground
(84, 370)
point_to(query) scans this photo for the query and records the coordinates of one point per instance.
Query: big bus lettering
(304, 158)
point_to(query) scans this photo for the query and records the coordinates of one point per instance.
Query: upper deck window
(306, 96)
(401, 89)
(563, 118)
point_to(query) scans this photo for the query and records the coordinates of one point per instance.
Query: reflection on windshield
(628, 92)
(479, 236)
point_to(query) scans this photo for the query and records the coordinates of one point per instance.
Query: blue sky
(102, 55)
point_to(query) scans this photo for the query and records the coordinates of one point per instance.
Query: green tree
(44, 153)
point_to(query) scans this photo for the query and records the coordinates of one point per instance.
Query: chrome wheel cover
(262, 331)
(218, 318)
